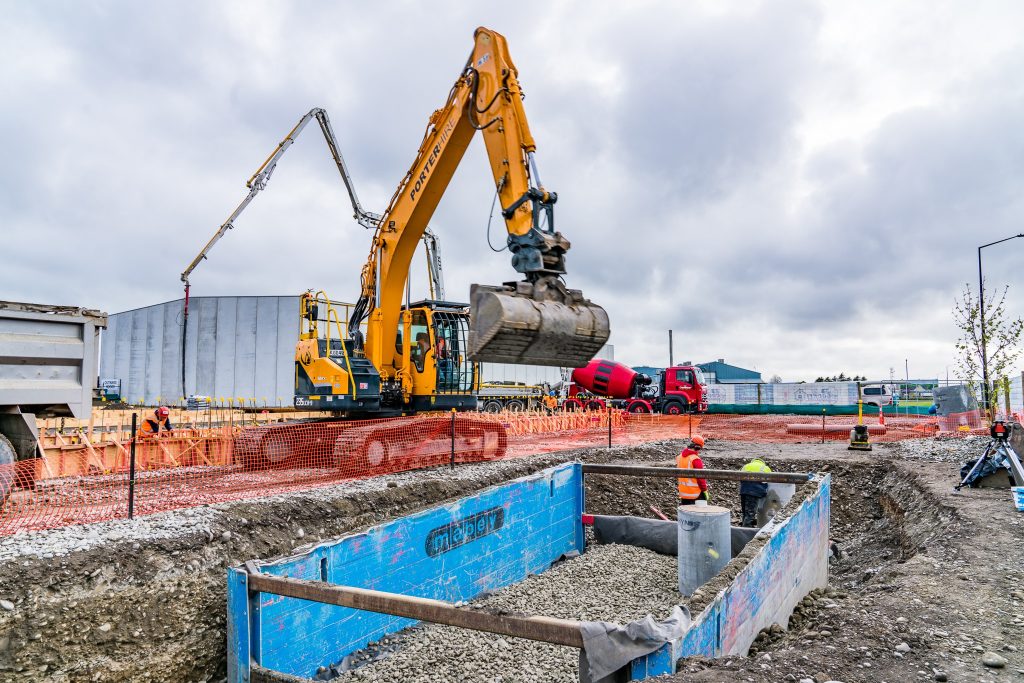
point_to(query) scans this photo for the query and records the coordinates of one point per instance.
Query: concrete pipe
(705, 544)
(813, 429)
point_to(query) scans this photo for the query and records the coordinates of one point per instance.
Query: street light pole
(981, 314)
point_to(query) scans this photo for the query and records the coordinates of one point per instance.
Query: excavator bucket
(535, 325)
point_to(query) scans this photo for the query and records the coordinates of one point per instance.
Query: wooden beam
(544, 629)
(675, 472)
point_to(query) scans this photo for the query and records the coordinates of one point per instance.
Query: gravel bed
(952, 449)
(607, 583)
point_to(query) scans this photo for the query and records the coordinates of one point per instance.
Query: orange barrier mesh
(83, 480)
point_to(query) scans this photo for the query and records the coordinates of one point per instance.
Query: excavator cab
(443, 375)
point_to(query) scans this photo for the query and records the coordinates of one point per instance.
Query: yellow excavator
(422, 356)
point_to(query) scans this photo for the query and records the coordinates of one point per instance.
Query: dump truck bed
(48, 358)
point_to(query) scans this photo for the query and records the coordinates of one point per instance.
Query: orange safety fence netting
(81, 481)
(810, 428)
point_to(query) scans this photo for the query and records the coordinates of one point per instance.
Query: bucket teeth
(523, 324)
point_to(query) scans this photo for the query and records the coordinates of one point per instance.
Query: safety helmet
(163, 411)
(697, 440)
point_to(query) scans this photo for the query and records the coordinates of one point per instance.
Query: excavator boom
(535, 321)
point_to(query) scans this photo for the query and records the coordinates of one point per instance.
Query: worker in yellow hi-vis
(752, 492)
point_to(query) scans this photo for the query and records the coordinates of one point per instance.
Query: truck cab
(682, 389)
(679, 389)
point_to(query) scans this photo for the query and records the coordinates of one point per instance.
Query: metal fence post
(131, 470)
(453, 438)
(609, 426)
(823, 425)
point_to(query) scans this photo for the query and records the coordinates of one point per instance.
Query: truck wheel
(595, 405)
(8, 456)
(638, 408)
(492, 407)
(673, 409)
(515, 406)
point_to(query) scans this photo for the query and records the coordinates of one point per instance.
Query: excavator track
(372, 447)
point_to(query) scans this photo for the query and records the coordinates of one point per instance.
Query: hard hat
(697, 440)
(163, 411)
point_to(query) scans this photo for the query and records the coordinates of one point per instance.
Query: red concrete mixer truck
(679, 389)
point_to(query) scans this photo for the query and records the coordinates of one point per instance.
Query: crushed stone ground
(607, 583)
(924, 568)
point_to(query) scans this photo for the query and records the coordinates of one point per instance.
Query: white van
(875, 395)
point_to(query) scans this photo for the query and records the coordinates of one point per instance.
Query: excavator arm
(535, 321)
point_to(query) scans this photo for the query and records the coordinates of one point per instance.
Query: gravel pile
(940, 449)
(607, 583)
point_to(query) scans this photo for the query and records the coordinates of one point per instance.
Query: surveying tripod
(1000, 452)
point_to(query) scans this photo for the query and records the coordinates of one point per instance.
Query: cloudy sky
(793, 186)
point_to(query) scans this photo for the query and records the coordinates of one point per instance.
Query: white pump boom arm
(261, 177)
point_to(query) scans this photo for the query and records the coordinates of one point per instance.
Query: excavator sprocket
(527, 324)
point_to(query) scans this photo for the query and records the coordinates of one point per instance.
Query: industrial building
(716, 372)
(720, 372)
(238, 348)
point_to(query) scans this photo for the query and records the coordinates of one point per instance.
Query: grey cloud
(671, 132)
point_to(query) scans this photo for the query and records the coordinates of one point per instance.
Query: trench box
(497, 537)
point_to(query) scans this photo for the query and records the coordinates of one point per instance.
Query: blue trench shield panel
(790, 565)
(455, 552)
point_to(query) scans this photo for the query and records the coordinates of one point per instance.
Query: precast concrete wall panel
(245, 348)
(237, 348)
(265, 354)
(137, 358)
(224, 345)
(152, 380)
(287, 333)
(203, 327)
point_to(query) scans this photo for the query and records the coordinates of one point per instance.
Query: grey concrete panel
(108, 344)
(134, 388)
(224, 343)
(287, 335)
(266, 353)
(154, 353)
(170, 366)
(236, 347)
(245, 348)
(203, 347)
(122, 344)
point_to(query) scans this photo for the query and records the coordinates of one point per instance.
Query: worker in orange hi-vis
(155, 422)
(692, 489)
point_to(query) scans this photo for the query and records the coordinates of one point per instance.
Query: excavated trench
(152, 609)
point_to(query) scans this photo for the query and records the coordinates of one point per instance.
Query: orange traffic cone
(881, 416)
